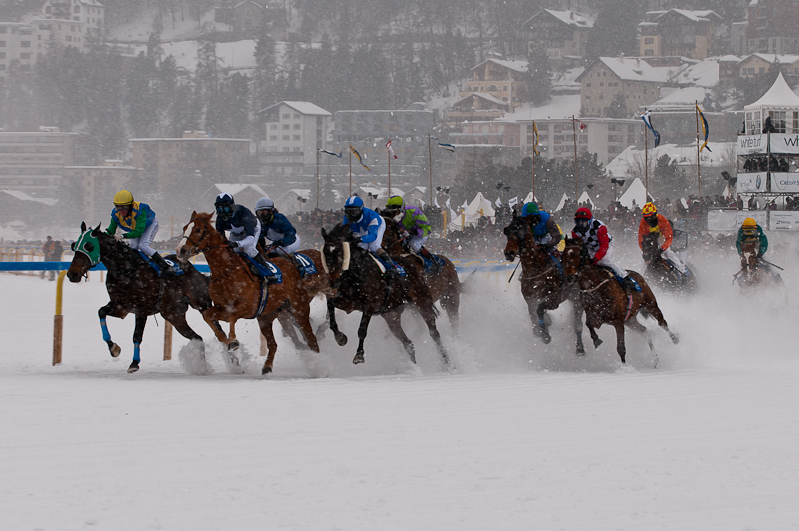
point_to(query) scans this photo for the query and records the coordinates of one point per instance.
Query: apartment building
(563, 34)
(681, 33)
(33, 163)
(17, 47)
(91, 187)
(293, 131)
(502, 80)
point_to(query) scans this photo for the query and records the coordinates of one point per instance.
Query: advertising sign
(751, 144)
(749, 183)
(730, 220)
(785, 182)
(783, 220)
(783, 143)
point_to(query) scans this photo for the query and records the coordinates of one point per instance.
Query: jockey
(751, 234)
(545, 230)
(594, 235)
(276, 228)
(139, 226)
(413, 220)
(368, 226)
(244, 227)
(657, 226)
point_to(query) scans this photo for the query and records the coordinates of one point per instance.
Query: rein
(595, 287)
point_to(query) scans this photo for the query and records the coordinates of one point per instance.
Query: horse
(661, 271)
(360, 285)
(135, 287)
(754, 271)
(544, 286)
(444, 286)
(236, 291)
(605, 301)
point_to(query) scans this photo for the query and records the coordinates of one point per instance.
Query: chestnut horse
(361, 286)
(544, 286)
(445, 286)
(236, 291)
(605, 301)
(134, 287)
(753, 271)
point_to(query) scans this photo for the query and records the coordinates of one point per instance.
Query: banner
(783, 220)
(731, 220)
(782, 143)
(785, 182)
(749, 183)
(751, 144)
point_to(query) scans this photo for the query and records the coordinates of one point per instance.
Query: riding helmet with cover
(353, 209)
(749, 226)
(650, 213)
(531, 210)
(582, 219)
(265, 209)
(123, 198)
(395, 202)
(224, 205)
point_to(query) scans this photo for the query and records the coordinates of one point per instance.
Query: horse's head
(392, 237)
(573, 258)
(197, 236)
(87, 253)
(517, 233)
(336, 251)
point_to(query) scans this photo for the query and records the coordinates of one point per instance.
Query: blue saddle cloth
(306, 264)
(429, 266)
(273, 273)
(619, 279)
(400, 270)
(175, 267)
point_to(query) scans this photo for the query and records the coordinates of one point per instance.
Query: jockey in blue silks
(244, 227)
(545, 230)
(368, 226)
(276, 228)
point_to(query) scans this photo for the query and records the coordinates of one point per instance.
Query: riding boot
(297, 264)
(629, 284)
(436, 269)
(166, 269)
(391, 266)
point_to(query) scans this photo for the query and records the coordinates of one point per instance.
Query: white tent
(779, 97)
(585, 198)
(480, 206)
(561, 203)
(636, 192)
(530, 198)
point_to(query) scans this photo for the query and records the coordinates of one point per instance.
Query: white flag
(421, 202)
(498, 203)
(448, 205)
(391, 149)
(435, 202)
(513, 202)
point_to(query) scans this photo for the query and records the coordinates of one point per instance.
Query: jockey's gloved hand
(119, 237)
(233, 245)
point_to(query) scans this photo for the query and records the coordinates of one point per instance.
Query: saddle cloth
(273, 273)
(383, 266)
(175, 267)
(620, 280)
(306, 263)
(429, 267)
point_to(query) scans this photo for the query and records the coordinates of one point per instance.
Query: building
(505, 81)
(474, 107)
(680, 33)
(178, 171)
(633, 78)
(17, 47)
(758, 64)
(293, 131)
(61, 33)
(87, 190)
(33, 163)
(563, 34)
(771, 26)
(88, 12)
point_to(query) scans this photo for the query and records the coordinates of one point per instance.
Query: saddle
(175, 267)
(384, 266)
(619, 279)
(431, 267)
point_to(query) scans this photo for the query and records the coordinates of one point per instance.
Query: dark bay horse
(659, 270)
(544, 286)
(361, 286)
(605, 301)
(236, 291)
(444, 287)
(753, 271)
(134, 287)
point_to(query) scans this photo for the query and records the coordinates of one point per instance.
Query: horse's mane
(341, 233)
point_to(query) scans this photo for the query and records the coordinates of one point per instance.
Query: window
(26, 55)
(273, 127)
(297, 126)
(25, 44)
(778, 120)
(286, 137)
(286, 116)
(286, 126)
(272, 149)
(77, 9)
(297, 116)
(2, 44)
(273, 137)
(649, 52)
(3, 29)
(69, 38)
(601, 84)
(588, 84)
(286, 149)
(2, 55)
(2, 66)
(297, 137)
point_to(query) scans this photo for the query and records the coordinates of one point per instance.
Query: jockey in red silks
(599, 243)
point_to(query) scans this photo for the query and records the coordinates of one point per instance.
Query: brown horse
(444, 287)
(753, 271)
(236, 291)
(605, 301)
(544, 286)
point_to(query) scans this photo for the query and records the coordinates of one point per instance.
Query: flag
(535, 140)
(583, 127)
(421, 202)
(647, 118)
(358, 156)
(448, 147)
(435, 202)
(498, 203)
(513, 202)
(448, 205)
(705, 129)
(390, 149)
(339, 154)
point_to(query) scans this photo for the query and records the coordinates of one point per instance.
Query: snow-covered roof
(248, 2)
(304, 107)
(637, 69)
(695, 15)
(567, 17)
(779, 96)
(235, 188)
(517, 66)
(774, 58)
(486, 97)
(22, 196)
(684, 154)
(705, 73)
(557, 107)
(681, 97)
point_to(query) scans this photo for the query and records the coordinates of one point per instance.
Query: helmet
(582, 219)
(749, 223)
(583, 213)
(264, 204)
(353, 209)
(395, 202)
(649, 209)
(123, 198)
(224, 205)
(529, 209)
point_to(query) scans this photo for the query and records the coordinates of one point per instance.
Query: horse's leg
(550, 302)
(577, 315)
(138, 334)
(284, 318)
(451, 302)
(233, 343)
(210, 318)
(651, 306)
(362, 329)
(114, 311)
(532, 309)
(393, 320)
(341, 338)
(633, 323)
(265, 323)
(621, 348)
(591, 325)
(428, 313)
(303, 318)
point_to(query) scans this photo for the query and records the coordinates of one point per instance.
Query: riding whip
(514, 271)
(769, 263)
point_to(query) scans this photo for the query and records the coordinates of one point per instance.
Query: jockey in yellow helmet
(654, 225)
(138, 225)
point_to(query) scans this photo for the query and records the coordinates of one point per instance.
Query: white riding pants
(143, 243)
(375, 245)
(247, 244)
(607, 261)
(416, 243)
(672, 257)
(289, 249)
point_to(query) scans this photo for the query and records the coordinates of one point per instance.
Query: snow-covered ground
(521, 436)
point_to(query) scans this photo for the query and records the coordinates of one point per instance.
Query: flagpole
(389, 172)
(646, 161)
(533, 156)
(430, 157)
(317, 179)
(350, 171)
(574, 133)
(698, 167)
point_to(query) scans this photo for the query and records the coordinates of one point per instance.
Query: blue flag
(705, 129)
(339, 154)
(647, 118)
(448, 147)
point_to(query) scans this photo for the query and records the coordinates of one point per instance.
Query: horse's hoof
(266, 370)
(115, 350)
(233, 345)
(134, 366)
(597, 342)
(546, 338)
(341, 339)
(675, 338)
(580, 350)
(359, 359)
